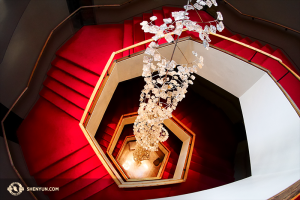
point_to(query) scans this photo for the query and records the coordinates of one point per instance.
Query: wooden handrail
(277, 24)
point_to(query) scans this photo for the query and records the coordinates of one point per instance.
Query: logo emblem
(15, 188)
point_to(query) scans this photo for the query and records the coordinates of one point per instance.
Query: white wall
(273, 128)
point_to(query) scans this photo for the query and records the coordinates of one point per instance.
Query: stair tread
(41, 135)
(279, 54)
(62, 104)
(277, 70)
(85, 48)
(260, 58)
(76, 71)
(292, 86)
(71, 82)
(234, 48)
(65, 92)
(226, 43)
(92, 189)
(74, 173)
(79, 183)
(248, 53)
(64, 164)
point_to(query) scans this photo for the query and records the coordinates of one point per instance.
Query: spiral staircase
(58, 154)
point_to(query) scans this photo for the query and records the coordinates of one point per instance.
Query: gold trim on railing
(277, 24)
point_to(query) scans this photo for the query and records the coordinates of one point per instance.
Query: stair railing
(105, 71)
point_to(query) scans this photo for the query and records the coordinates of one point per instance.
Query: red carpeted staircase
(57, 153)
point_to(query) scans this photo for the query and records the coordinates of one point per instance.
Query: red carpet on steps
(93, 53)
(45, 176)
(76, 71)
(40, 136)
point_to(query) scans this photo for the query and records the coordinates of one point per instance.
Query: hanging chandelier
(166, 80)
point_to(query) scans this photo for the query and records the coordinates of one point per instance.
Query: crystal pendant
(169, 38)
(220, 17)
(198, 6)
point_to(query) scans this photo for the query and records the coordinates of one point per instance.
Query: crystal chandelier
(167, 81)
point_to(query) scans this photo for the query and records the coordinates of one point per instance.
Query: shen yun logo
(15, 188)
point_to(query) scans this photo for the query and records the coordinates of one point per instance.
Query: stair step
(71, 82)
(226, 43)
(92, 189)
(187, 119)
(64, 164)
(76, 71)
(104, 143)
(277, 70)
(248, 53)
(106, 137)
(67, 93)
(103, 148)
(88, 48)
(109, 130)
(112, 126)
(128, 36)
(166, 175)
(260, 58)
(138, 34)
(41, 136)
(234, 48)
(61, 103)
(74, 173)
(278, 53)
(292, 86)
(170, 168)
(79, 183)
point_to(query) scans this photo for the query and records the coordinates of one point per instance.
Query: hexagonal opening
(128, 168)
(120, 72)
